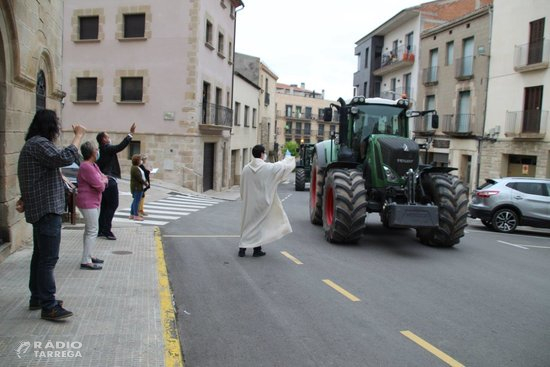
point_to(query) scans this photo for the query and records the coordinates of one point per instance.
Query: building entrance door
(208, 167)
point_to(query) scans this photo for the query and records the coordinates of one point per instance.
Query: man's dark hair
(45, 124)
(258, 150)
(100, 137)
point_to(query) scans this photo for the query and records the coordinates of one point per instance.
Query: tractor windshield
(380, 119)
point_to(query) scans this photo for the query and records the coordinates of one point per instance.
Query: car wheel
(505, 220)
(487, 223)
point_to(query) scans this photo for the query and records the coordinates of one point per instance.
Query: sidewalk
(123, 314)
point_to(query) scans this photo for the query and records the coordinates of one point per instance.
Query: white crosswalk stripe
(171, 208)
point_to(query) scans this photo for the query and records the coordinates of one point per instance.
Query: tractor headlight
(390, 175)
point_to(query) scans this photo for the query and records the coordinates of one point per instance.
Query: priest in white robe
(263, 218)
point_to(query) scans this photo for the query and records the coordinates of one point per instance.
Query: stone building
(30, 79)
(454, 65)
(517, 129)
(165, 65)
(300, 115)
(255, 70)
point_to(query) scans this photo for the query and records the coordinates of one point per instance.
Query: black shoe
(110, 236)
(242, 252)
(91, 266)
(258, 252)
(101, 234)
(95, 260)
(56, 313)
(37, 304)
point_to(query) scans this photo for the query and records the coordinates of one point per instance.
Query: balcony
(395, 60)
(430, 76)
(526, 125)
(532, 56)
(397, 93)
(215, 118)
(464, 68)
(461, 125)
(422, 126)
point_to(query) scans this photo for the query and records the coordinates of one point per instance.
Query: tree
(292, 146)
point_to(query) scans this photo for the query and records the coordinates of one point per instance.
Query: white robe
(263, 218)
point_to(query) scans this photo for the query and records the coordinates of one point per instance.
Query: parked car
(505, 203)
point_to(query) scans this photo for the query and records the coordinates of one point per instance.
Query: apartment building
(518, 100)
(386, 57)
(244, 134)
(258, 72)
(300, 115)
(166, 66)
(30, 79)
(454, 62)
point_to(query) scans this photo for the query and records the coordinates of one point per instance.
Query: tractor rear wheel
(300, 181)
(344, 206)
(451, 197)
(316, 193)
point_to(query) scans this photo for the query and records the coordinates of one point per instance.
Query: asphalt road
(386, 301)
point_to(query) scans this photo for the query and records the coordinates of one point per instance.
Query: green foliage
(292, 146)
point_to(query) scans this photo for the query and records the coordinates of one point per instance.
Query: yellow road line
(430, 348)
(172, 349)
(298, 262)
(201, 236)
(341, 290)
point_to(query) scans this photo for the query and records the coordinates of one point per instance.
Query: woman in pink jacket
(91, 183)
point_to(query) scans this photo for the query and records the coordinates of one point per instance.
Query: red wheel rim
(329, 206)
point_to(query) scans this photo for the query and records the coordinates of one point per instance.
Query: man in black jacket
(108, 164)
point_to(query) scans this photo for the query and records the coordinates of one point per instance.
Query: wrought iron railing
(532, 53)
(526, 122)
(464, 67)
(213, 114)
(430, 75)
(463, 124)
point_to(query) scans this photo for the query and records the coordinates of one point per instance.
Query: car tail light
(487, 194)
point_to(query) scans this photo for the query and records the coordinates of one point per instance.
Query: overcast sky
(312, 41)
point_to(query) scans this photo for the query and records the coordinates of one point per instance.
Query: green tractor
(374, 167)
(303, 167)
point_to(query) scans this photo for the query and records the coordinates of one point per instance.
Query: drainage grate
(122, 252)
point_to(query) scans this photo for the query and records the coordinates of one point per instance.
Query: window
(288, 110)
(288, 127)
(307, 128)
(366, 58)
(407, 85)
(536, 41)
(409, 41)
(467, 69)
(298, 128)
(365, 89)
(131, 89)
(321, 113)
(308, 112)
(254, 113)
(321, 130)
(532, 108)
(237, 121)
(220, 44)
(246, 113)
(230, 53)
(88, 28)
(209, 33)
(134, 148)
(134, 25)
(299, 112)
(450, 54)
(530, 188)
(86, 89)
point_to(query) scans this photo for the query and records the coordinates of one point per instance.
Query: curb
(172, 348)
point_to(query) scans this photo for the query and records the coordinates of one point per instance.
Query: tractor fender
(321, 150)
(431, 169)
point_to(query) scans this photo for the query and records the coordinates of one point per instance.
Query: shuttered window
(134, 25)
(88, 28)
(131, 89)
(86, 89)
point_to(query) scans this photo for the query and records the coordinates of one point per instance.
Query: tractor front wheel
(300, 181)
(316, 193)
(451, 197)
(344, 206)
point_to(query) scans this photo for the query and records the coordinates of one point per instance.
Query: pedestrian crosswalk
(171, 208)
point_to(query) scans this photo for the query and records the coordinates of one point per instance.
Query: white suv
(505, 203)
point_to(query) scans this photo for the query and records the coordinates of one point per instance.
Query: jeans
(46, 238)
(135, 203)
(90, 233)
(109, 205)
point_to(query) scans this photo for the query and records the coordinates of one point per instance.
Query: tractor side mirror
(327, 114)
(435, 121)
